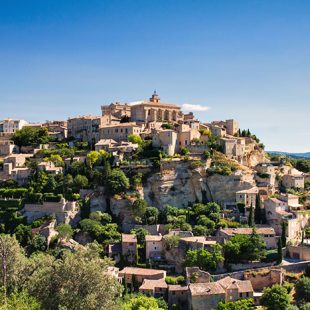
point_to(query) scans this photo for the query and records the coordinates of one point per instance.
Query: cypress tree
(258, 211)
(283, 235)
(280, 254)
(251, 217)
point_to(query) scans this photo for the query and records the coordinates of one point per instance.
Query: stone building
(132, 275)
(86, 128)
(64, 211)
(153, 247)
(120, 132)
(156, 288)
(11, 125)
(206, 296)
(116, 110)
(247, 197)
(155, 111)
(267, 233)
(129, 247)
(293, 181)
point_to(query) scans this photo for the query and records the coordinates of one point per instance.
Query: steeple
(155, 98)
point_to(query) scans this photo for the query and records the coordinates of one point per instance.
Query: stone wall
(299, 252)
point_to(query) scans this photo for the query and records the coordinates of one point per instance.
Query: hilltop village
(191, 215)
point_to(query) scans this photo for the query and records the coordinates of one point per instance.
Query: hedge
(10, 205)
(13, 192)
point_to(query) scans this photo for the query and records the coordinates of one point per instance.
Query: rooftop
(231, 283)
(203, 289)
(129, 238)
(142, 271)
(153, 238)
(249, 231)
(152, 284)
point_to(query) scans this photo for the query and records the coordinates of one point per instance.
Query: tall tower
(155, 98)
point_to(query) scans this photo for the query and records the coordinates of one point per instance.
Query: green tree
(244, 248)
(83, 273)
(135, 139)
(80, 181)
(20, 301)
(65, 231)
(11, 263)
(184, 151)
(41, 181)
(139, 207)
(151, 215)
(171, 241)
(92, 157)
(140, 302)
(243, 304)
(140, 233)
(275, 298)
(30, 136)
(117, 182)
(204, 259)
(23, 234)
(302, 290)
(38, 243)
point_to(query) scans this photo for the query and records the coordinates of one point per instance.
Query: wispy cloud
(194, 107)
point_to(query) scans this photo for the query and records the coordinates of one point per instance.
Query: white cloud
(194, 107)
(135, 102)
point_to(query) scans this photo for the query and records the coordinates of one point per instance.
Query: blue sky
(248, 60)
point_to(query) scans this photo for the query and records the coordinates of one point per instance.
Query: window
(240, 295)
(247, 294)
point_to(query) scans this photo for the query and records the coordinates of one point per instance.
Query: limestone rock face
(223, 188)
(181, 184)
(177, 186)
(122, 208)
(98, 203)
(255, 157)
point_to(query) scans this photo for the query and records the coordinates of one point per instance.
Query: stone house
(247, 197)
(186, 134)
(110, 145)
(267, 233)
(236, 289)
(293, 181)
(156, 288)
(117, 110)
(120, 132)
(129, 247)
(153, 247)
(57, 130)
(17, 160)
(206, 296)
(135, 275)
(276, 210)
(167, 139)
(6, 148)
(49, 167)
(178, 295)
(114, 251)
(196, 242)
(11, 125)
(85, 128)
